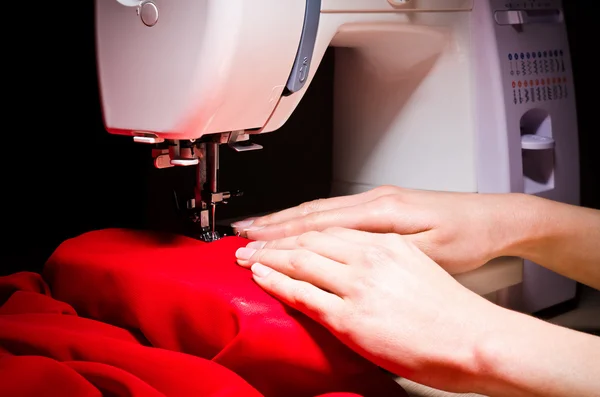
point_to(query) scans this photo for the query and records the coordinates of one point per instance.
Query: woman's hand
(460, 231)
(383, 297)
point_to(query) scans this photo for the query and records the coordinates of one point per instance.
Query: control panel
(537, 76)
(533, 50)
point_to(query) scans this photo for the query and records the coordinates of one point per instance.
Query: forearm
(561, 237)
(524, 356)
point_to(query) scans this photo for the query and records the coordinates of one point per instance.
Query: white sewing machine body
(453, 95)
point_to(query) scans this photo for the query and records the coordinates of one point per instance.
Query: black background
(62, 174)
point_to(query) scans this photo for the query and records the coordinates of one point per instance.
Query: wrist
(488, 351)
(519, 223)
(520, 355)
(468, 363)
(502, 367)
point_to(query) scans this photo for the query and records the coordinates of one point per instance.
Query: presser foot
(209, 236)
(197, 219)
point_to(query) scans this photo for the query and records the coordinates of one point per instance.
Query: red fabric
(143, 314)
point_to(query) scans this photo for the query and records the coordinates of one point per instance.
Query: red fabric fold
(142, 314)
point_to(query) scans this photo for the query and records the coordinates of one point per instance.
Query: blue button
(510, 57)
(533, 55)
(561, 53)
(522, 56)
(555, 53)
(539, 54)
(516, 56)
(528, 55)
(545, 54)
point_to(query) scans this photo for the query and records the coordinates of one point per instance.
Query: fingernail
(260, 270)
(242, 224)
(256, 245)
(244, 253)
(253, 228)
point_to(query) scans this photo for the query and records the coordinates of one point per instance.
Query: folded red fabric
(136, 313)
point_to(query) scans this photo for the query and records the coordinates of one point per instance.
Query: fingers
(300, 264)
(384, 214)
(329, 245)
(241, 226)
(344, 245)
(389, 240)
(310, 207)
(355, 236)
(363, 217)
(320, 305)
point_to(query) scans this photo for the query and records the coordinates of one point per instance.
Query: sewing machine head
(188, 75)
(428, 94)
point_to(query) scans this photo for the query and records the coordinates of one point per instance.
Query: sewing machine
(453, 95)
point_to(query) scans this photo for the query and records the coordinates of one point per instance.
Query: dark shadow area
(582, 28)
